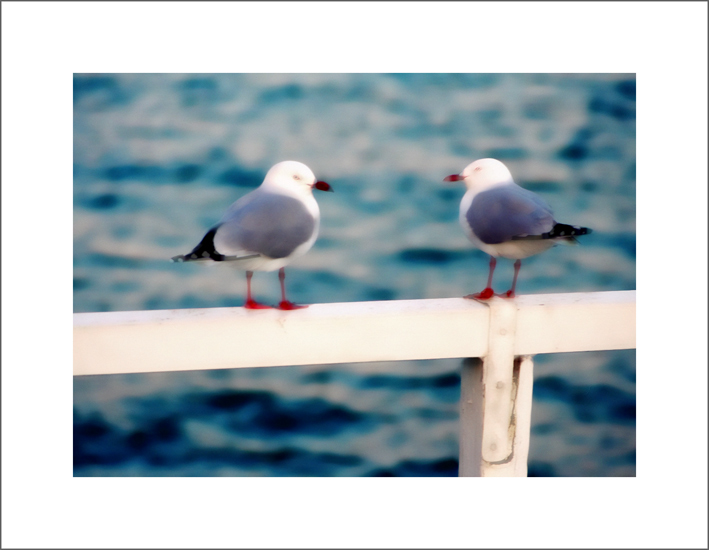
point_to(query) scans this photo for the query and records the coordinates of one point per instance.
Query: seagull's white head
(482, 174)
(292, 176)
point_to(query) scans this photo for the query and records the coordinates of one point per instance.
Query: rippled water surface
(157, 159)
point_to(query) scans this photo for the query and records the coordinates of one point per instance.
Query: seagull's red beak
(322, 186)
(454, 177)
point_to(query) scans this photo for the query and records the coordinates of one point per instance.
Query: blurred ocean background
(159, 157)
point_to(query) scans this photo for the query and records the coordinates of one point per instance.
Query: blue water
(157, 159)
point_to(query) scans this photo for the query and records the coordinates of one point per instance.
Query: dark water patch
(339, 459)
(138, 440)
(447, 467)
(577, 149)
(187, 173)
(451, 380)
(625, 459)
(233, 400)
(552, 388)
(540, 469)
(623, 413)
(160, 458)
(626, 242)
(543, 429)
(573, 151)
(80, 283)
(630, 176)
(406, 184)
(288, 92)
(382, 381)
(160, 441)
(96, 441)
(141, 172)
(94, 427)
(97, 92)
(429, 256)
(436, 414)
(589, 187)
(312, 417)
(106, 260)
(165, 429)
(261, 413)
(449, 195)
(98, 259)
(105, 201)
(281, 462)
(590, 404)
(239, 177)
(615, 110)
(626, 88)
(154, 432)
(321, 377)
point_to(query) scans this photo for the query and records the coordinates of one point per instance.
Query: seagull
(267, 228)
(505, 220)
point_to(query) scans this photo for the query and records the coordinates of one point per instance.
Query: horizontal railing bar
(213, 338)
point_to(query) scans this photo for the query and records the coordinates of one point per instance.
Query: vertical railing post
(496, 401)
(471, 418)
(524, 378)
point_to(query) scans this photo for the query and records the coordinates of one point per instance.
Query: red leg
(250, 302)
(487, 292)
(511, 292)
(285, 304)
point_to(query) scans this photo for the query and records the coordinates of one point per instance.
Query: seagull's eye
(296, 177)
(477, 169)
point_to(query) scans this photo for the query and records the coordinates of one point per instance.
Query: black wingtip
(561, 230)
(203, 251)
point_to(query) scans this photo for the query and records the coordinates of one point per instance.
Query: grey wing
(510, 212)
(264, 223)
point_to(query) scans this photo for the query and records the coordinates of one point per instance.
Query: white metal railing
(496, 390)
